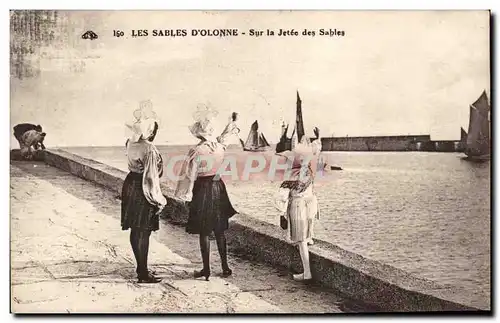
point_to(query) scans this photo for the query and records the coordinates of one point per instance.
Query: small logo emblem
(90, 35)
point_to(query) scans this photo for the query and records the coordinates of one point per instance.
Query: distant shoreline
(232, 148)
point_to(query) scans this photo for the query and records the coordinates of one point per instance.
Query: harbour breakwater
(391, 143)
(363, 279)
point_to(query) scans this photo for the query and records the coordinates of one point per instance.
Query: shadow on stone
(37, 155)
(250, 275)
(368, 281)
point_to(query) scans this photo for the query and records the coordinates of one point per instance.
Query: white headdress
(302, 151)
(145, 119)
(204, 112)
(202, 127)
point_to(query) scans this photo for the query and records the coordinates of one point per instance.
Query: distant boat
(256, 140)
(463, 140)
(285, 143)
(477, 141)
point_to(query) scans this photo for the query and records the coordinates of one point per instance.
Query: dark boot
(134, 242)
(205, 256)
(143, 247)
(222, 247)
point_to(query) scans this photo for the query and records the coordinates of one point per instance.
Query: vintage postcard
(250, 161)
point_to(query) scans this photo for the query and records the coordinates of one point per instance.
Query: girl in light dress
(297, 201)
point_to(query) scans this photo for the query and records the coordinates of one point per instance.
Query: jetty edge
(362, 279)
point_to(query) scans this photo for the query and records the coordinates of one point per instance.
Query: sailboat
(285, 143)
(477, 145)
(298, 133)
(463, 140)
(256, 140)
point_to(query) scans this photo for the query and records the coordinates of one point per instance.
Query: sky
(393, 73)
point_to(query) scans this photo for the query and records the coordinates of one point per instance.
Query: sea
(422, 212)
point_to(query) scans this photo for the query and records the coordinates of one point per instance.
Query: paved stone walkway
(69, 255)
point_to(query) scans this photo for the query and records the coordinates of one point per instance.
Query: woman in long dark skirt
(210, 208)
(142, 199)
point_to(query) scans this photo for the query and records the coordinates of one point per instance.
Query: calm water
(426, 213)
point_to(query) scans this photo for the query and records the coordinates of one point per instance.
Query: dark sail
(463, 140)
(463, 135)
(478, 137)
(256, 140)
(482, 104)
(284, 143)
(262, 140)
(299, 120)
(474, 126)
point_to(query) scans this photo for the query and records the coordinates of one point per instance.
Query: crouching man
(31, 139)
(22, 128)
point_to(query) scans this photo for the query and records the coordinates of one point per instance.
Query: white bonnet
(144, 124)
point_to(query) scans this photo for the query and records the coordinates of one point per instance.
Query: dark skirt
(210, 208)
(137, 213)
